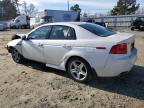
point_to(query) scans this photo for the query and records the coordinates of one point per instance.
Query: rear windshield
(97, 29)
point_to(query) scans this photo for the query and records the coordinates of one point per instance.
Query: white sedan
(78, 48)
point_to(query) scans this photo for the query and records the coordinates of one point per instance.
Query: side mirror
(24, 37)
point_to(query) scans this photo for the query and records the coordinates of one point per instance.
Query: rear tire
(79, 70)
(16, 56)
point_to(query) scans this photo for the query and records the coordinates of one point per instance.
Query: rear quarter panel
(87, 50)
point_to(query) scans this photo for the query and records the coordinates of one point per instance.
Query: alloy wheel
(78, 70)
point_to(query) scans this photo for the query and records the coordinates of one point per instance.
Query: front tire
(79, 70)
(132, 28)
(16, 56)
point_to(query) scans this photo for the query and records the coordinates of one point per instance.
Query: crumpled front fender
(15, 44)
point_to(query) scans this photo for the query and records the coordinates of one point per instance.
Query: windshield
(97, 30)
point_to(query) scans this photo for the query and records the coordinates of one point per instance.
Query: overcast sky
(99, 6)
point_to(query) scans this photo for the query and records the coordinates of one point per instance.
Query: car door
(59, 43)
(32, 47)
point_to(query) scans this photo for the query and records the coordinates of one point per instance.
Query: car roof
(66, 23)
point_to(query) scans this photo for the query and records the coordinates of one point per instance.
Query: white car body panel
(116, 66)
(33, 46)
(55, 53)
(16, 44)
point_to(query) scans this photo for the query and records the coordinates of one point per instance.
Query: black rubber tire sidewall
(21, 57)
(132, 29)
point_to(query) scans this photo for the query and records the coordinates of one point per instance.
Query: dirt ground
(32, 85)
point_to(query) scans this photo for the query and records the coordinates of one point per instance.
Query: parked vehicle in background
(51, 16)
(20, 22)
(35, 22)
(138, 24)
(78, 48)
(99, 23)
(2, 27)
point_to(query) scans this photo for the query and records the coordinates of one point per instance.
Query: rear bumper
(118, 65)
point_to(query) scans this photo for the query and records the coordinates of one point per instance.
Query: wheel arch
(10, 48)
(93, 71)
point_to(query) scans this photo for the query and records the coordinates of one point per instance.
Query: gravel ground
(32, 85)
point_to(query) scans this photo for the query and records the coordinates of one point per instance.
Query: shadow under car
(131, 84)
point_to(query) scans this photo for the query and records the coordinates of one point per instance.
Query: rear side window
(97, 30)
(59, 32)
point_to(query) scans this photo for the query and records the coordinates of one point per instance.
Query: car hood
(15, 42)
(20, 35)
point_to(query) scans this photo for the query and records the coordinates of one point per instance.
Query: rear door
(59, 43)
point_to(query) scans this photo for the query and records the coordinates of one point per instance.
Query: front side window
(97, 30)
(62, 33)
(40, 33)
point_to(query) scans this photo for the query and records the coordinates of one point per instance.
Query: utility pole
(68, 6)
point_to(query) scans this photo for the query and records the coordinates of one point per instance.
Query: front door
(32, 48)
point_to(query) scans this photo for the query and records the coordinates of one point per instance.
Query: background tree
(9, 10)
(17, 5)
(125, 7)
(76, 8)
(28, 9)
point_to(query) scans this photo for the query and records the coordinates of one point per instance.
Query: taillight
(119, 49)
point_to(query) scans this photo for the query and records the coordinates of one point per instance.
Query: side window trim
(70, 28)
(49, 32)
(68, 32)
(48, 37)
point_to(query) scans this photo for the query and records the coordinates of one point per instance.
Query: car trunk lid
(124, 38)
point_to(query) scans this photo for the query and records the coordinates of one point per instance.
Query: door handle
(66, 46)
(40, 45)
